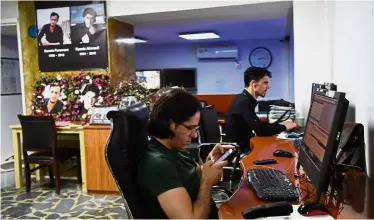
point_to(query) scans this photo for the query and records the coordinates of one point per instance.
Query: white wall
(334, 42)
(9, 9)
(312, 50)
(121, 8)
(353, 63)
(11, 105)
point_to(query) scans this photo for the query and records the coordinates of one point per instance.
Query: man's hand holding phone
(219, 150)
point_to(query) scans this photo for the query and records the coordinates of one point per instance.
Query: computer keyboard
(272, 184)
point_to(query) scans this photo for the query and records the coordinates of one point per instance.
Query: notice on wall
(71, 35)
(10, 76)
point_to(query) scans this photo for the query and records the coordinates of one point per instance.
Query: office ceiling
(229, 30)
(253, 21)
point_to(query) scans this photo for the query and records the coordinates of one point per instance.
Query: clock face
(260, 57)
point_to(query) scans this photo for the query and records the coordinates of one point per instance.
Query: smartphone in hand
(224, 156)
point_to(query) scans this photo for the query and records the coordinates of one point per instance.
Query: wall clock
(260, 57)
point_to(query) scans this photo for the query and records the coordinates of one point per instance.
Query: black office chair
(209, 132)
(203, 103)
(210, 135)
(127, 138)
(39, 146)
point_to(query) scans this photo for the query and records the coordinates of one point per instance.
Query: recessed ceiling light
(131, 40)
(198, 36)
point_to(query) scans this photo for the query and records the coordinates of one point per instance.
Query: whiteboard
(10, 77)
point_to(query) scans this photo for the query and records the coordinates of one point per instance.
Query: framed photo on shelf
(99, 114)
(127, 101)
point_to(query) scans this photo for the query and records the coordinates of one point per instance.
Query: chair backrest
(38, 132)
(209, 127)
(203, 103)
(128, 137)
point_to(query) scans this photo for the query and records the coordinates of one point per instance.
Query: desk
(360, 188)
(16, 136)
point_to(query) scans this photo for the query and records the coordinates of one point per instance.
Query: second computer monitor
(150, 78)
(321, 138)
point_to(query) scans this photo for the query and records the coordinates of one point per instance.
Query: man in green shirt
(171, 184)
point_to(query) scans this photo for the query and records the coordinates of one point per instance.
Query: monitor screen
(185, 78)
(151, 78)
(318, 127)
(321, 138)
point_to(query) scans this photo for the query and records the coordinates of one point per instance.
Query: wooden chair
(39, 139)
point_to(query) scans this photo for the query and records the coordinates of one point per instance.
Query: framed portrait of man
(53, 99)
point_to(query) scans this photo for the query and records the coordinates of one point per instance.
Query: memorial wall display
(71, 35)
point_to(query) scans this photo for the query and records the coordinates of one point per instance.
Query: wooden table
(16, 136)
(358, 204)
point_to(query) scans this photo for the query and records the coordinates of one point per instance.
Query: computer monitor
(185, 78)
(321, 138)
(151, 78)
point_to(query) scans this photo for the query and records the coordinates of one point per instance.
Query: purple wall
(219, 77)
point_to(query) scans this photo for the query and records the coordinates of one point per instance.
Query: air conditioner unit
(213, 53)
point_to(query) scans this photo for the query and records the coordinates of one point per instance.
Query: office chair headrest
(139, 110)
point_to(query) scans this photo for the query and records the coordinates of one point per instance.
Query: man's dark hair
(54, 14)
(50, 86)
(176, 105)
(90, 11)
(255, 73)
(91, 88)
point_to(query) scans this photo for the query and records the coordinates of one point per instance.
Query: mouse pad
(296, 215)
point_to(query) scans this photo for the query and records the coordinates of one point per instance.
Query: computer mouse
(282, 153)
(312, 209)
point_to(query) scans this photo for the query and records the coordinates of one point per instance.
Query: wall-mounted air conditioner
(214, 53)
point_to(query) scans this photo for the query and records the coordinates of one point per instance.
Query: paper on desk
(62, 123)
(296, 215)
(283, 135)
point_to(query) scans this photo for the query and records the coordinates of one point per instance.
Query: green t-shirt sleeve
(163, 177)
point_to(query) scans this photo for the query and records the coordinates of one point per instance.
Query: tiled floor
(72, 203)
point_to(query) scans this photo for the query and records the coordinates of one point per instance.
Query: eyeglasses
(192, 129)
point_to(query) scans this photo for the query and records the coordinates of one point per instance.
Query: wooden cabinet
(99, 178)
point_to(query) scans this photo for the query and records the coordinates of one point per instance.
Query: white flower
(90, 80)
(88, 77)
(100, 99)
(39, 97)
(99, 87)
(65, 102)
(63, 86)
(76, 91)
(84, 116)
(59, 77)
(38, 110)
(63, 96)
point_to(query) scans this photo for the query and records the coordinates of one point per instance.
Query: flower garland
(76, 90)
(39, 106)
(132, 88)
